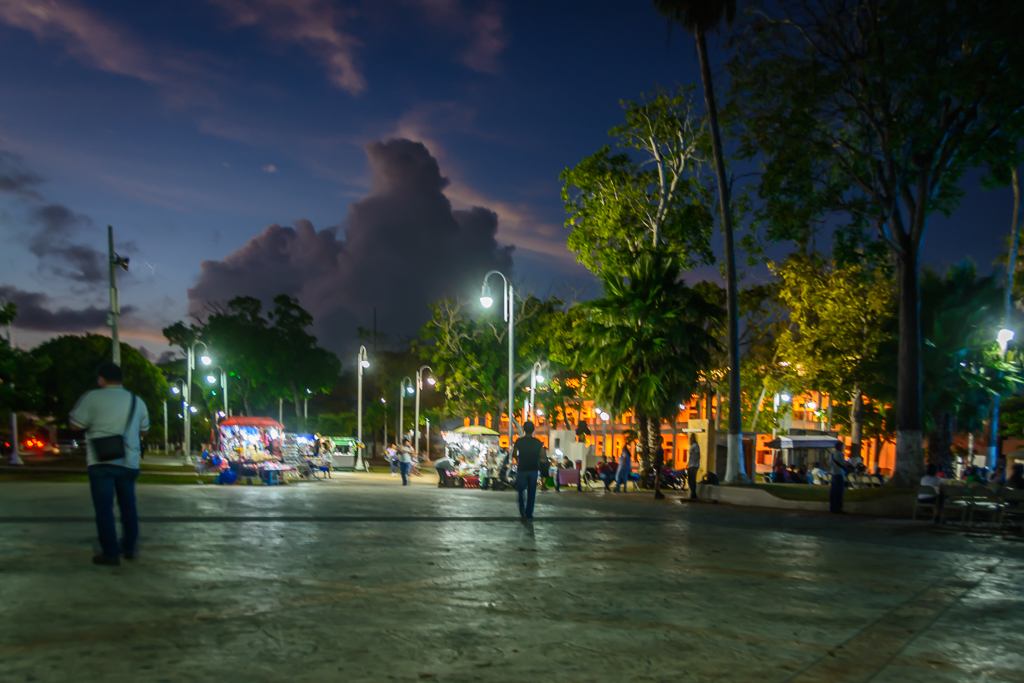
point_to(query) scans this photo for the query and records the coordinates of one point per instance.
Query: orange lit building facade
(609, 438)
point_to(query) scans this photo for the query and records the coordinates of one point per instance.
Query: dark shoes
(659, 496)
(109, 561)
(129, 556)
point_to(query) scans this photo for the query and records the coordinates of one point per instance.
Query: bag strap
(131, 414)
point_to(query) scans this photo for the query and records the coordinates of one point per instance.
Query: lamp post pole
(362, 362)
(419, 388)
(115, 303)
(428, 438)
(509, 310)
(405, 386)
(1004, 337)
(187, 393)
(535, 377)
(165, 426)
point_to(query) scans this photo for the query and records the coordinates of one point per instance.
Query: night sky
(353, 154)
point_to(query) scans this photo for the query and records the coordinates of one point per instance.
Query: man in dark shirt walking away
(659, 465)
(114, 420)
(527, 453)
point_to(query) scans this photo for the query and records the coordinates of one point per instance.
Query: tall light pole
(405, 386)
(419, 387)
(428, 438)
(115, 303)
(1004, 337)
(535, 376)
(362, 362)
(165, 426)
(509, 308)
(212, 379)
(179, 388)
(305, 410)
(385, 402)
(187, 396)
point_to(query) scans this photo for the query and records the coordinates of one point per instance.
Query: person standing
(659, 465)
(692, 467)
(527, 452)
(625, 468)
(114, 420)
(405, 461)
(392, 455)
(839, 468)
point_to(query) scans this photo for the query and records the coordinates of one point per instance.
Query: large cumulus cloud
(400, 248)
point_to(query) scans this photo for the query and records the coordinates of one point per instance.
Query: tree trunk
(245, 403)
(757, 407)
(734, 464)
(295, 396)
(856, 420)
(878, 454)
(909, 451)
(643, 443)
(653, 441)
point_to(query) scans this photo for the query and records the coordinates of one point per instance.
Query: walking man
(839, 467)
(405, 461)
(625, 468)
(527, 452)
(692, 466)
(659, 465)
(114, 420)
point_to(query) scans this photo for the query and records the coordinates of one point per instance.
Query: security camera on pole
(115, 304)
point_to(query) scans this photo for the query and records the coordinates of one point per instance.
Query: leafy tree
(621, 204)
(69, 365)
(874, 109)
(342, 424)
(840, 317)
(19, 371)
(646, 343)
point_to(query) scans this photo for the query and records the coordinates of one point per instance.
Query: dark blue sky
(192, 126)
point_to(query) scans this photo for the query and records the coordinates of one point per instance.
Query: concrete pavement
(360, 579)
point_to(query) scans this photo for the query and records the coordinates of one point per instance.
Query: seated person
(606, 472)
(819, 476)
(877, 474)
(779, 470)
(1016, 480)
(974, 476)
(930, 479)
(800, 476)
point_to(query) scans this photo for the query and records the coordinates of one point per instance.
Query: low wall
(900, 505)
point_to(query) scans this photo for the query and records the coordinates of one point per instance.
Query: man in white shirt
(105, 413)
(838, 467)
(692, 465)
(930, 478)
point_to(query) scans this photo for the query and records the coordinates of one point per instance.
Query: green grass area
(31, 475)
(810, 492)
(154, 467)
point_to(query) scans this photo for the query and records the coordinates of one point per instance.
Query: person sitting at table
(930, 478)
(606, 472)
(1016, 480)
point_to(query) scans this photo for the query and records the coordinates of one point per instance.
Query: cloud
(315, 25)
(15, 178)
(35, 313)
(270, 168)
(485, 30)
(98, 43)
(401, 248)
(56, 226)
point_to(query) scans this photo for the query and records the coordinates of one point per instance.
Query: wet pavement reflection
(358, 579)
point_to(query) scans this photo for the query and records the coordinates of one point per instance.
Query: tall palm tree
(699, 17)
(647, 343)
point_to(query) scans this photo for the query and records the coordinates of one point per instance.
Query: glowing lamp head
(785, 398)
(192, 409)
(175, 390)
(431, 381)
(383, 401)
(539, 412)
(364, 363)
(540, 378)
(410, 390)
(1005, 336)
(211, 379)
(485, 296)
(811, 405)
(605, 416)
(206, 360)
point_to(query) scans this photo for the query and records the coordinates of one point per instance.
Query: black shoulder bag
(109, 448)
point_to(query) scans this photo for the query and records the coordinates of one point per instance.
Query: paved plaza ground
(359, 579)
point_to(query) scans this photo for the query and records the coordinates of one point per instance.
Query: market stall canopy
(241, 421)
(803, 442)
(477, 430)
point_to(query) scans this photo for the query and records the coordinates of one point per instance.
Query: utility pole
(115, 304)
(165, 427)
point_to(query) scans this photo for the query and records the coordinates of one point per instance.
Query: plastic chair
(933, 505)
(956, 498)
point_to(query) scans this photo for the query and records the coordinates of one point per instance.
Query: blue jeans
(526, 486)
(104, 482)
(392, 461)
(622, 477)
(404, 468)
(835, 493)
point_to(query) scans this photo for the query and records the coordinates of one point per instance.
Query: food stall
(343, 451)
(253, 447)
(474, 450)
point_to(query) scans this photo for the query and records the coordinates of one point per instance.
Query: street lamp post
(212, 379)
(384, 401)
(187, 395)
(1004, 337)
(165, 426)
(405, 386)
(362, 362)
(180, 388)
(115, 302)
(535, 376)
(428, 438)
(509, 303)
(419, 388)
